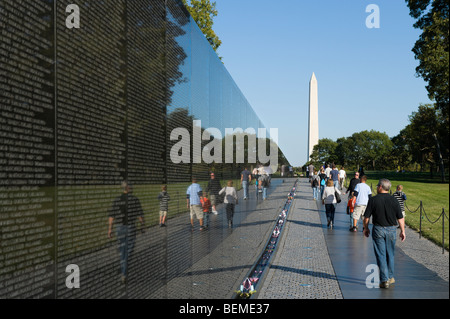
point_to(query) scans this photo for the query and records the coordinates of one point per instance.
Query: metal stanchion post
(420, 220)
(443, 230)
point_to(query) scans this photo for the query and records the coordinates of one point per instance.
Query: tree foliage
(425, 136)
(431, 49)
(324, 152)
(203, 13)
(424, 141)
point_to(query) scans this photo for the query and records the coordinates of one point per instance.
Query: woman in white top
(329, 199)
(230, 200)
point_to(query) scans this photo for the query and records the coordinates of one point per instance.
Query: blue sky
(366, 76)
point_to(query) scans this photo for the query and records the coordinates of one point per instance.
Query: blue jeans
(264, 195)
(322, 188)
(336, 184)
(126, 235)
(384, 246)
(316, 193)
(330, 210)
(245, 187)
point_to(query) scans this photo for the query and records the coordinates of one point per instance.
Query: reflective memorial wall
(84, 109)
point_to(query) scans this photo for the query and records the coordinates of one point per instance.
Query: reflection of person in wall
(124, 212)
(213, 188)
(230, 201)
(193, 203)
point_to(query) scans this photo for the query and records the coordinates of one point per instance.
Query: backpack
(322, 182)
(338, 197)
(315, 182)
(264, 179)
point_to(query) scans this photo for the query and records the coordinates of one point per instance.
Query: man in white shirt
(342, 177)
(362, 192)
(327, 171)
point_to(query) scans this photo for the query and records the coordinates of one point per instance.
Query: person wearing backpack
(264, 182)
(323, 180)
(315, 184)
(329, 200)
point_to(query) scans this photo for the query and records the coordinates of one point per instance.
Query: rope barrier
(422, 213)
(412, 212)
(426, 216)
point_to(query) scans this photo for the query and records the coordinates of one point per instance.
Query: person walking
(255, 174)
(353, 182)
(193, 203)
(246, 178)
(213, 188)
(401, 197)
(264, 184)
(334, 175)
(342, 177)
(386, 217)
(164, 199)
(310, 171)
(124, 212)
(327, 171)
(315, 184)
(206, 206)
(329, 200)
(363, 193)
(323, 181)
(230, 201)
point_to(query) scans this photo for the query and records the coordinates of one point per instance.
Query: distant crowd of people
(387, 212)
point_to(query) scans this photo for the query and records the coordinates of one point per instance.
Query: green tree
(424, 137)
(203, 13)
(344, 151)
(431, 49)
(324, 152)
(371, 147)
(400, 154)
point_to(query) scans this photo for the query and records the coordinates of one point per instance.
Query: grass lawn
(434, 197)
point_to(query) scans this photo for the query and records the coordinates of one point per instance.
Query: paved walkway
(311, 261)
(213, 263)
(315, 262)
(175, 262)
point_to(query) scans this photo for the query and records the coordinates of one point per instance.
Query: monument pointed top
(313, 77)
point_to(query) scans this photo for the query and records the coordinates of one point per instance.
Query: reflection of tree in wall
(154, 57)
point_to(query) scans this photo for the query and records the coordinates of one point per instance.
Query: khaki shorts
(197, 211)
(162, 213)
(213, 199)
(358, 212)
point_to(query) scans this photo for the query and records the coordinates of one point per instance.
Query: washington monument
(313, 116)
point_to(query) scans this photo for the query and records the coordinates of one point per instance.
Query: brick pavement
(302, 268)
